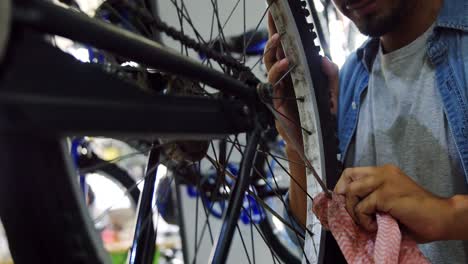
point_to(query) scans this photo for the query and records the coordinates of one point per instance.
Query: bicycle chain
(184, 39)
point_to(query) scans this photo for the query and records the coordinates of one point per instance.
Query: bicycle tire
(114, 172)
(311, 84)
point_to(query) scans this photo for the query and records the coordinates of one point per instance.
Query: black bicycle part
(144, 240)
(319, 29)
(116, 12)
(98, 103)
(52, 19)
(41, 208)
(222, 58)
(220, 253)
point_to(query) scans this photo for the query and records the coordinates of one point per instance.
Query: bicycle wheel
(93, 163)
(65, 206)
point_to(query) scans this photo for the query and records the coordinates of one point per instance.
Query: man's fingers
(280, 53)
(352, 174)
(271, 25)
(364, 186)
(345, 179)
(359, 189)
(270, 51)
(356, 184)
(277, 71)
(365, 212)
(351, 202)
(331, 70)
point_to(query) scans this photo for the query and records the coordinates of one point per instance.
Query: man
(402, 113)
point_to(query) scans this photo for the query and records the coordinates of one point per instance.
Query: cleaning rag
(386, 246)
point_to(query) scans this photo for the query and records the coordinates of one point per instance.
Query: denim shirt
(447, 50)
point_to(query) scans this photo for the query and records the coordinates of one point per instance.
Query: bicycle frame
(97, 103)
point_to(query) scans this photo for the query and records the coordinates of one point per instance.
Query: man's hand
(277, 65)
(387, 189)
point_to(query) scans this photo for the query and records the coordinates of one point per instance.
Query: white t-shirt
(402, 122)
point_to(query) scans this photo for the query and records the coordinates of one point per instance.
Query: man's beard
(379, 25)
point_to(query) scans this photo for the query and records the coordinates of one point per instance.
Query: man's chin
(374, 28)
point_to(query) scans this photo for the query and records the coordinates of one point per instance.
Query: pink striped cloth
(386, 246)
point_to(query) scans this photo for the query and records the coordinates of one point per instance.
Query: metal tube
(66, 97)
(56, 20)
(231, 216)
(144, 240)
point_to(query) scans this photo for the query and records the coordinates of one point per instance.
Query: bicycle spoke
(244, 51)
(288, 212)
(296, 145)
(219, 181)
(198, 243)
(182, 11)
(276, 158)
(211, 30)
(294, 179)
(181, 22)
(214, 3)
(243, 243)
(258, 25)
(206, 223)
(251, 231)
(196, 231)
(207, 214)
(230, 175)
(230, 15)
(273, 254)
(213, 41)
(281, 198)
(284, 75)
(264, 53)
